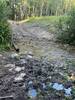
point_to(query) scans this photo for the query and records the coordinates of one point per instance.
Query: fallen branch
(15, 47)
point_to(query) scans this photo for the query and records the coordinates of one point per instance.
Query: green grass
(4, 47)
(47, 22)
(5, 35)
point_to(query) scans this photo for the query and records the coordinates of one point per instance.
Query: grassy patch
(5, 35)
(5, 47)
(47, 22)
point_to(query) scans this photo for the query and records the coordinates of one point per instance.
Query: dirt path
(43, 70)
(22, 30)
(32, 38)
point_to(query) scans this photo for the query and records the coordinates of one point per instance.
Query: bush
(71, 26)
(4, 10)
(66, 28)
(5, 36)
(62, 30)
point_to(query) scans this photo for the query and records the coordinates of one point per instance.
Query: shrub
(5, 36)
(4, 10)
(62, 32)
(66, 28)
(71, 26)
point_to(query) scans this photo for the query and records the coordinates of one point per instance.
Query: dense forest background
(22, 9)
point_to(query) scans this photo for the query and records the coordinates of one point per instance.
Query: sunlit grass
(46, 19)
(42, 20)
(46, 22)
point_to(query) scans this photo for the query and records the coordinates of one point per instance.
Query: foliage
(4, 10)
(71, 25)
(66, 28)
(62, 34)
(5, 36)
(5, 47)
(73, 91)
(22, 9)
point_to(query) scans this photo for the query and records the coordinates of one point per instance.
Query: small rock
(49, 77)
(18, 69)
(14, 55)
(20, 77)
(10, 69)
(10, 65)
(52, 65)
(23, 61)
(23, 74)
(30, 53)
(0, 55)
(23, 68)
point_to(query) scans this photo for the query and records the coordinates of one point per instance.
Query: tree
(27, 8)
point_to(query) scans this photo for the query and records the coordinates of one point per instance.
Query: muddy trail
(42, 70)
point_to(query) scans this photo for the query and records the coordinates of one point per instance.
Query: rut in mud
(43, 70)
